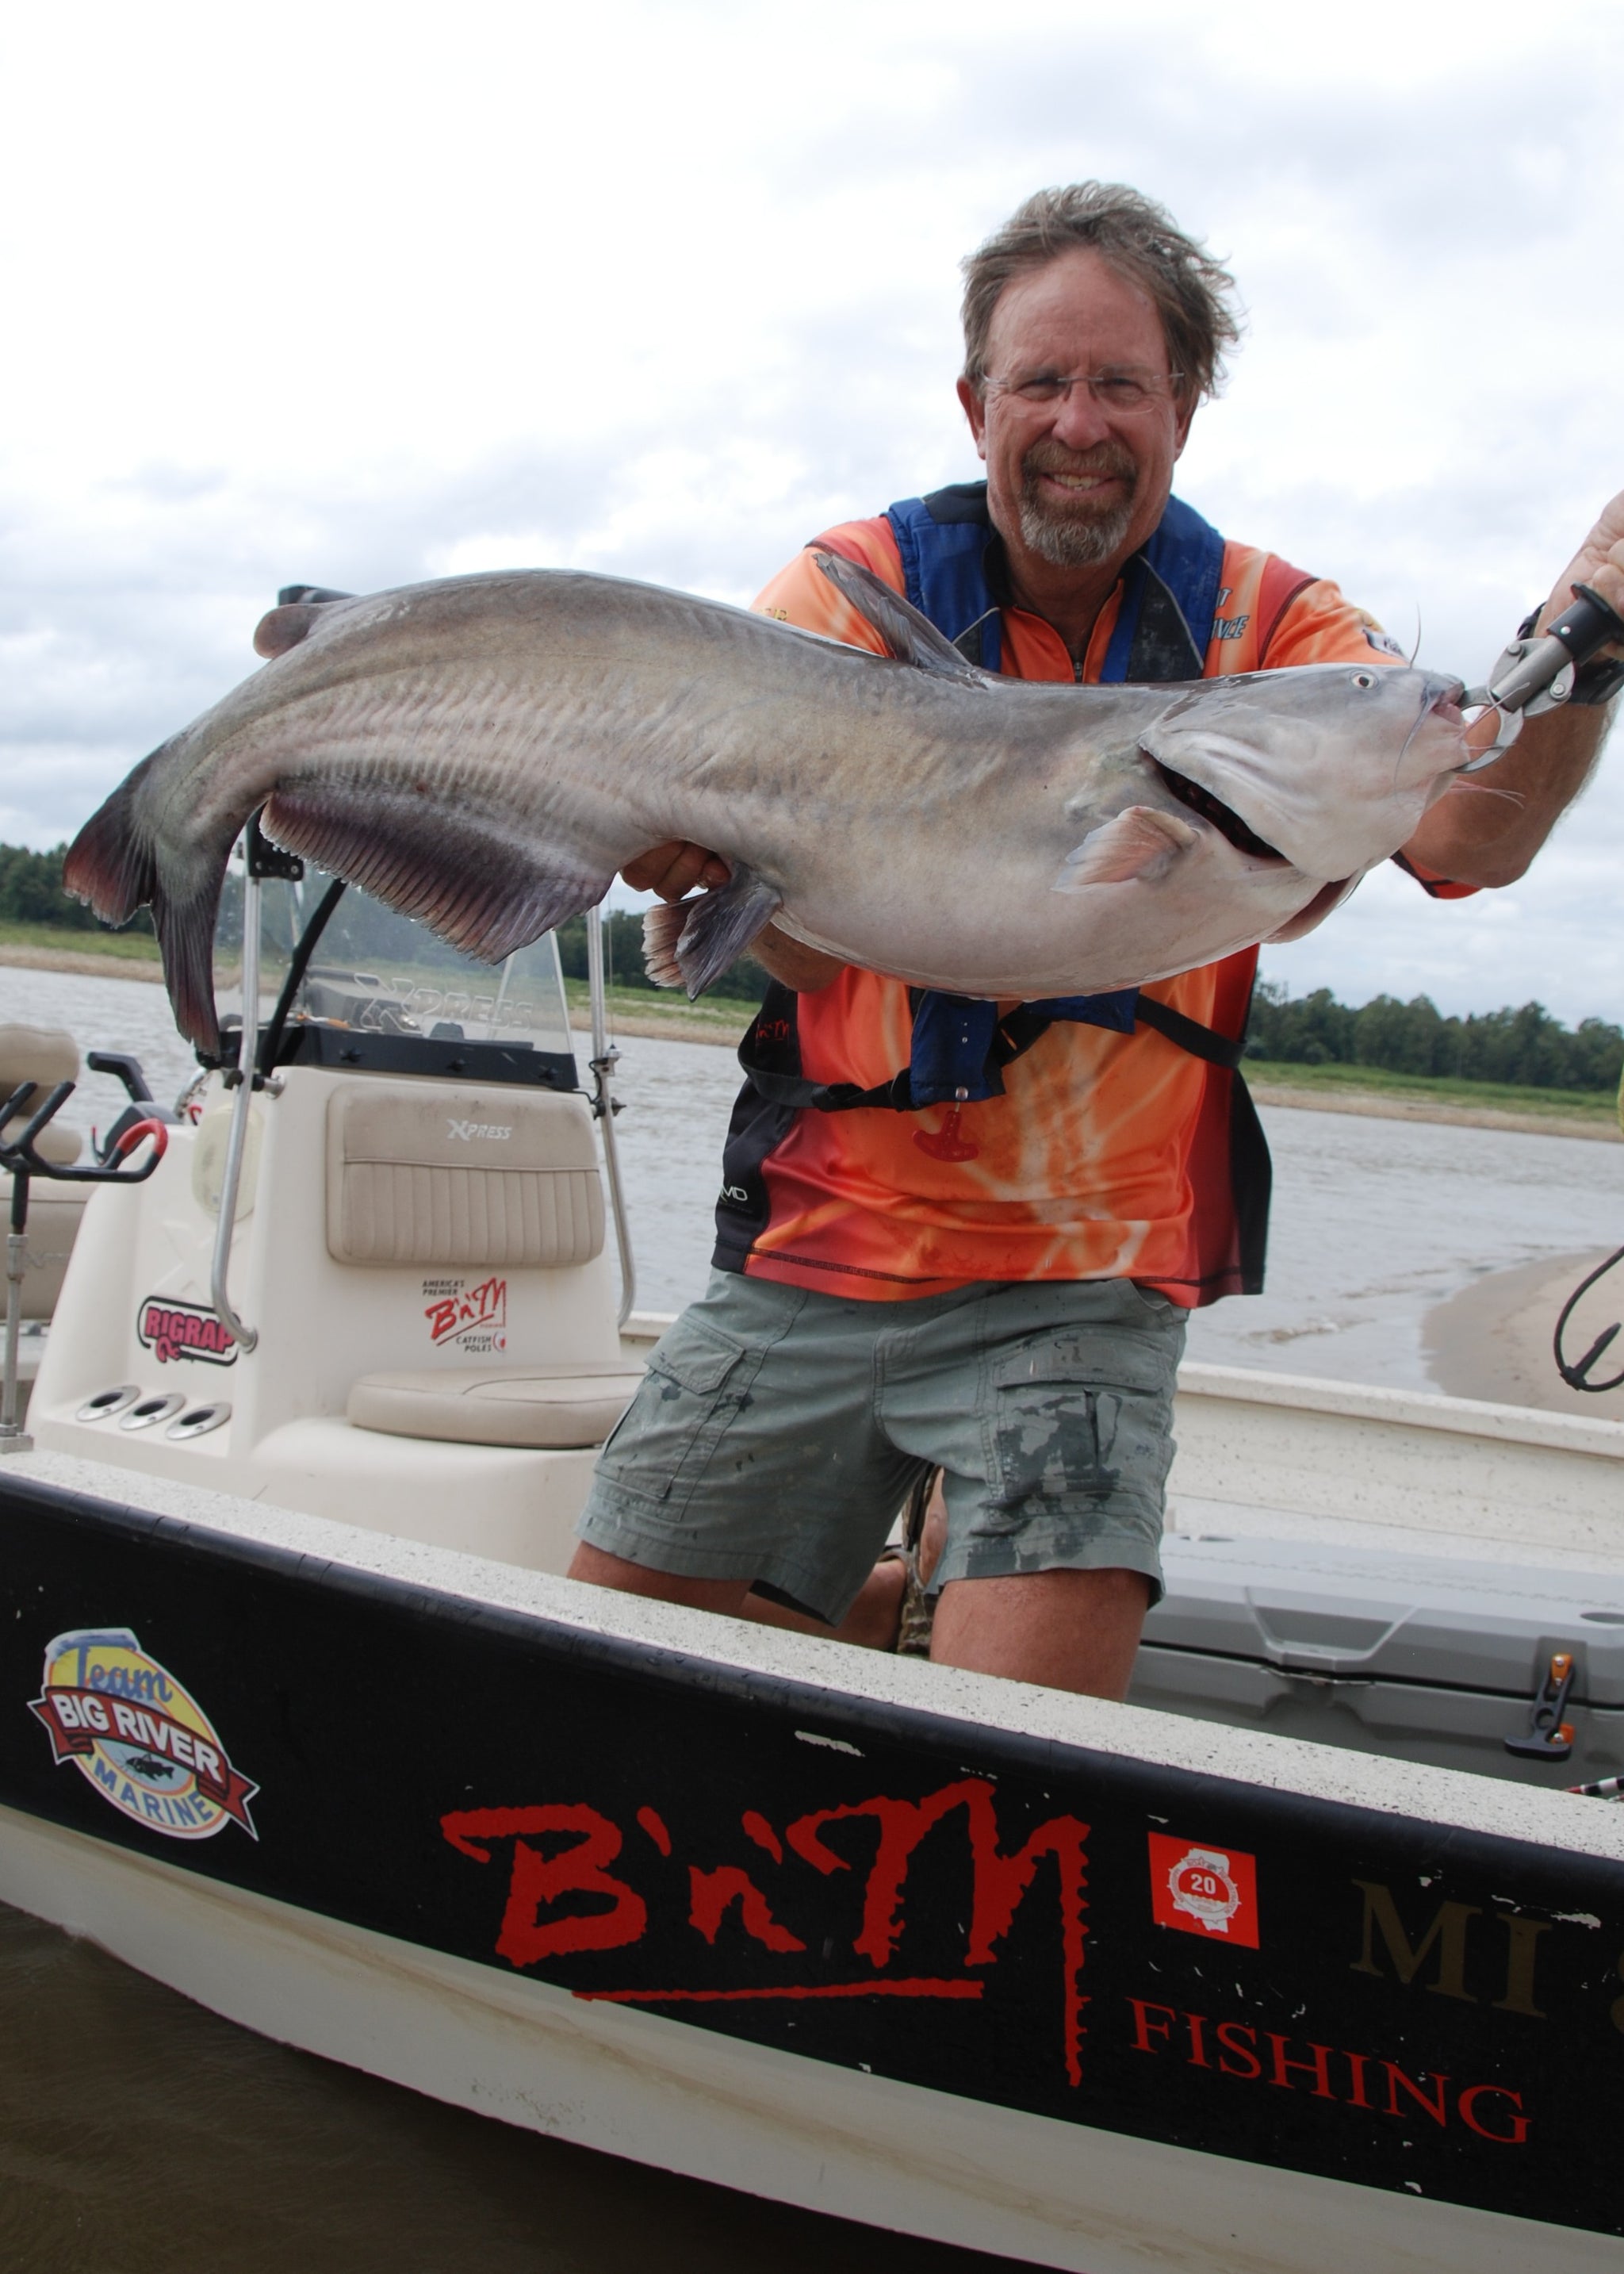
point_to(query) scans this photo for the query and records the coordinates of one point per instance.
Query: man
(997, 1283)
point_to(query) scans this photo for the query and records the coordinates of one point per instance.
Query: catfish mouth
(1223, 818)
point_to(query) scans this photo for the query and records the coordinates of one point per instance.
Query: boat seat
(440, 1179)
(55, 1213)
(551, 1408)
(45, 1055)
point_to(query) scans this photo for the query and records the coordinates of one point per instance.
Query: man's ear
(975, 411)
(1182, 430)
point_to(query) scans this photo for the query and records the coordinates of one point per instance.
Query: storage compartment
(1415, 1657)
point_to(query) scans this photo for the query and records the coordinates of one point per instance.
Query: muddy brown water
(140, 2134)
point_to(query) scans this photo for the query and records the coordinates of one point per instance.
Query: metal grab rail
(603, 1062)
(246, 1079)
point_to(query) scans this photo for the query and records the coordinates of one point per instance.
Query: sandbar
(1492, 1340)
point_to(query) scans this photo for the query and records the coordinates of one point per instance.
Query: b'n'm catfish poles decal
(140, 1739)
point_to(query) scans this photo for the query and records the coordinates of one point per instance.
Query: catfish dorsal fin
(285, 627)
(911, 638)
(298, 611)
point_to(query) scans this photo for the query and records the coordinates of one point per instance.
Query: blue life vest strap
(949, 550)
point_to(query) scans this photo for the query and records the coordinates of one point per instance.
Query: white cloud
(663, 289)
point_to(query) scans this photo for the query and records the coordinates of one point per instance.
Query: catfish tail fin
(113, 865)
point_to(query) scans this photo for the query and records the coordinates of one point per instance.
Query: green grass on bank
(727, 1017)
(64, 939)
(1503, 1096)
(727, 1014)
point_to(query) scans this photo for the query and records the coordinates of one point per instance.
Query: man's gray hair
(1139, 239)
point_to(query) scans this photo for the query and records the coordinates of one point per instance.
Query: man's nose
(1080, 422)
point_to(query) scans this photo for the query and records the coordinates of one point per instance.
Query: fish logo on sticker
(139, 1737)
(1205, 1890)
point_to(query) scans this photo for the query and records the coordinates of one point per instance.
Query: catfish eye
(1364, 679)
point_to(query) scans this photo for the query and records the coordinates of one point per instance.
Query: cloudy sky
(360, 295)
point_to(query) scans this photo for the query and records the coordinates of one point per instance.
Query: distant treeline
(1527, 1047)
(746, 982)
(31, 892)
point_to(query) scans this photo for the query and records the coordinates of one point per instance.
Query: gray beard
(1068, 541)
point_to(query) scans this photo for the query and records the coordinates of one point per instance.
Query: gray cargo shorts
(779, 1431)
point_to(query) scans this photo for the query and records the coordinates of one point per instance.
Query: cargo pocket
(1083, 1418)
(664, 1440)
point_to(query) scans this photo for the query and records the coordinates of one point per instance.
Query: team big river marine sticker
(139, 1737)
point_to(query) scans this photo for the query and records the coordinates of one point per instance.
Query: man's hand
(674, 870)
(1487, 827)
(1600, 563)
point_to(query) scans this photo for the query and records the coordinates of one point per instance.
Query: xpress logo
(465, 1131)
(138, 1737)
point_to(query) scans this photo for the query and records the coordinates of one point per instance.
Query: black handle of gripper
(1586, 623)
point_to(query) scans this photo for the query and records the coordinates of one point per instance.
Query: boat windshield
(377, 973)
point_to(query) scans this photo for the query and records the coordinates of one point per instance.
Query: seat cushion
(434, 1177)
(45, 1055)
(549, 1408)
(55, 1212)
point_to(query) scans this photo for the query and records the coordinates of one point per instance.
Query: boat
(1305, 1958)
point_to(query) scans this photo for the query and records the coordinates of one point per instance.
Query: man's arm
(1477, 839)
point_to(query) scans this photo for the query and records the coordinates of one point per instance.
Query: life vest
(959, 1045)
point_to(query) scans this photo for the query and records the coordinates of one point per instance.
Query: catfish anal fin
(460, 871)
(911, 638)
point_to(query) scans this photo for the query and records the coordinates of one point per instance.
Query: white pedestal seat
(552, 1408)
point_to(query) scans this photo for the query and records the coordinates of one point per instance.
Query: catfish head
(1330, 766)
(1293, 783)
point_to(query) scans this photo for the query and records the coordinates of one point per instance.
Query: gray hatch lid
(1363, 1613)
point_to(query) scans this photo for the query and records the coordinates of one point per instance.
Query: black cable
(271, 1040)
(1576, 1376)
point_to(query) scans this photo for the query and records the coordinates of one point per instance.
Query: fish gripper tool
(1540, 672)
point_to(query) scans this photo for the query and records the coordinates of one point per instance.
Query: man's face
(1079, 483)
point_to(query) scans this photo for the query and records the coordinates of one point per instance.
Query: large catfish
(485, 752)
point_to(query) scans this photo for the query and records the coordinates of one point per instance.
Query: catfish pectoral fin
(456, 869)
(1140, 842)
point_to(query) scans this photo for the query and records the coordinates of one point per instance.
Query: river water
(1374, 1222)
(221, 2151)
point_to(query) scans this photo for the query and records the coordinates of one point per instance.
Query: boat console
(422, 1329)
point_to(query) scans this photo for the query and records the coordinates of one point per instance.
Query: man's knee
(599, 1568)
(1067, 1629)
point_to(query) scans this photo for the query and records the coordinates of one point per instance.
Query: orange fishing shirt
(1092, 1164)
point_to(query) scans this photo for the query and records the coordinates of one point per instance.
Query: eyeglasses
(1129, 393)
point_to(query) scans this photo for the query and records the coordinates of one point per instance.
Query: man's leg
(1050, 1405)
(599, 1569)
(1069, 1629)
(870, 1623)
(749, 1456)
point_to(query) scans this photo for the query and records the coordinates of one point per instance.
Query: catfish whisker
(1484, 789)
